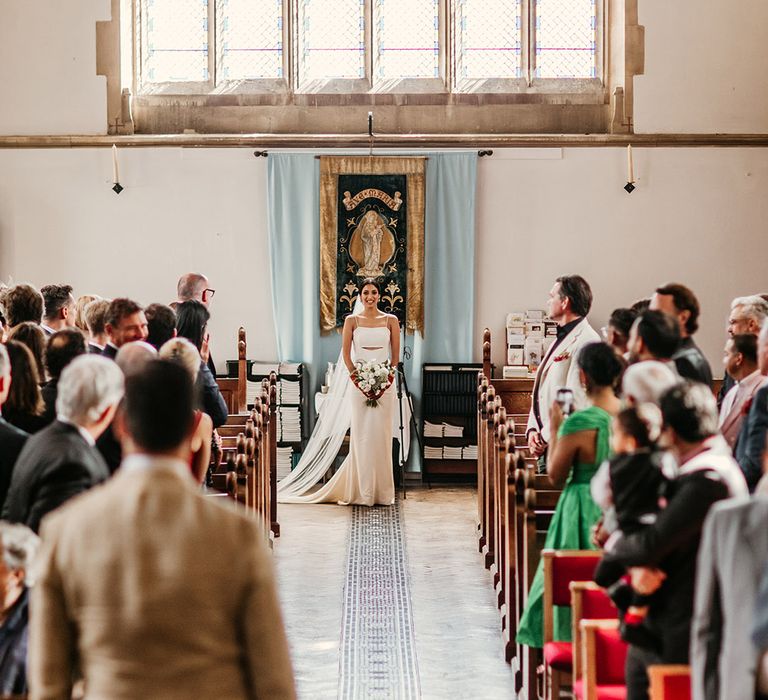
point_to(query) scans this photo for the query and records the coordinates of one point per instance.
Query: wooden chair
(561, 567)
(588, 602)
(670, 682)
(604, 655)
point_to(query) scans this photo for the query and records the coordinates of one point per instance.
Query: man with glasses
(193, 285)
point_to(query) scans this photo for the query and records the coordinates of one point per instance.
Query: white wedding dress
(365, 477)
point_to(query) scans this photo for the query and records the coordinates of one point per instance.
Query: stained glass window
(488, 34)
(566, 36)
(331, 39)
(407, 38)
(250, 39)
(175, 41)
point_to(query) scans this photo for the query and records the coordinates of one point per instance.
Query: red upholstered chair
(604, 655)
(670, 682)
(560, 569)
(588, 602)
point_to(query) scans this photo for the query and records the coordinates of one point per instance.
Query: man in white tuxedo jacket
(570, 300)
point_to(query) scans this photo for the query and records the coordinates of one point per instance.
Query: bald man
(194, 285)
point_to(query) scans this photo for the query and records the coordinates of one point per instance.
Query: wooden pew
(483, 382)
(234, 390)
(488, 485)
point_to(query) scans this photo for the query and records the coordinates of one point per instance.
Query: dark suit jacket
(109, 351)
(212, 401)
(751, 442)
(95, 349)
(691, 363)
(12, 440)
(732, 559)
(50, 391)
(55, 465)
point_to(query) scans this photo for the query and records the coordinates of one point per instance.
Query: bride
(365, 477)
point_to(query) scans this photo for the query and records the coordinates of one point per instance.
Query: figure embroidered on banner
(372, 244)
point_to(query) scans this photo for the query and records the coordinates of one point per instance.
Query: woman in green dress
(579, 445)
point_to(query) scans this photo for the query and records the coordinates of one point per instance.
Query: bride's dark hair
(372, 281)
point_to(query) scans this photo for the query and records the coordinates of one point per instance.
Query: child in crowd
(628, 490)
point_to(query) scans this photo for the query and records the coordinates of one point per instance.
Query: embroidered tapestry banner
(372, 225)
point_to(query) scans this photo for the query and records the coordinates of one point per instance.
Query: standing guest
(23, 302)
(640, 305)
(750, 445)
(570, 300)
(31, 335)
(579, 444)
(740, 361)
(11, 438)
(654, 336)
(681, 303)
(646, 382)
(62, 460)
(58, 308)
(617, 331)
(18, 549)
(665, 551)
(125, 322)
(161, 324)
(63, 347)
(192, 324)
(79, 320)
(141, 551)
(194, 286)
(24, 405)
(96, 320)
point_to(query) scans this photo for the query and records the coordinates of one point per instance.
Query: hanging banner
(372, 225)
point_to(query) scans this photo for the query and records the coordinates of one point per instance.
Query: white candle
(115, 174)
(630, 166)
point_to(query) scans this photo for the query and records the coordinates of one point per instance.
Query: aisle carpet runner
(378, 655)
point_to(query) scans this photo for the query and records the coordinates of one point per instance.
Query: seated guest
(161, 324)
(125, 322)
(579, 444)
(131, 357)
(96, 320)
(192, 324)
(681, 303)
(82, 301)
(31, 335)
(750, 444)
(654, 336)
(23, 302)
(58, 308)
(617, 332)
(11, 438)
(740, 361)
(663, 555)
(141, 551)
(62, 460)
(63, 347)
(181, 351)
(194, 286)
(18, 545)
(24, 405)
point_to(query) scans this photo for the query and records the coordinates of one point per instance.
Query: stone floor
(448, 628)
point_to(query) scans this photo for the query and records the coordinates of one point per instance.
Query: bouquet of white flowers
(373, 378)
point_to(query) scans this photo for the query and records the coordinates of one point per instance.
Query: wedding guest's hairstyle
(23, 303)
(24, 396)
(161, 324)
(373, 282)
(659, 332)
(19, 547)
(690, 409)
(684, 300)
(63, 347)
(55, 298)
(119, 309)
(96, 316)
(640, 305)
(577, 289)
(82, 301)
(88, 386)
(600, 365)
(642, 423)
(754, 307)
(183, 353)
(159, 405)
(31, 335)
(746, 344)
(191, 320)
(622, 320)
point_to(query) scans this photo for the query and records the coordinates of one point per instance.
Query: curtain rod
(480, 154)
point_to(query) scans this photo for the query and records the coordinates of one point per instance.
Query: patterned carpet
(378, 654)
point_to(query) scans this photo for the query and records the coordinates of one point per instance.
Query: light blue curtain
(449, 258)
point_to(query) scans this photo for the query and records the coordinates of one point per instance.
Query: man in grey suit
(732, 559)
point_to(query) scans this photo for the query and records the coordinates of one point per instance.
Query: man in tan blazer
(570, 300)
(148, 588)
